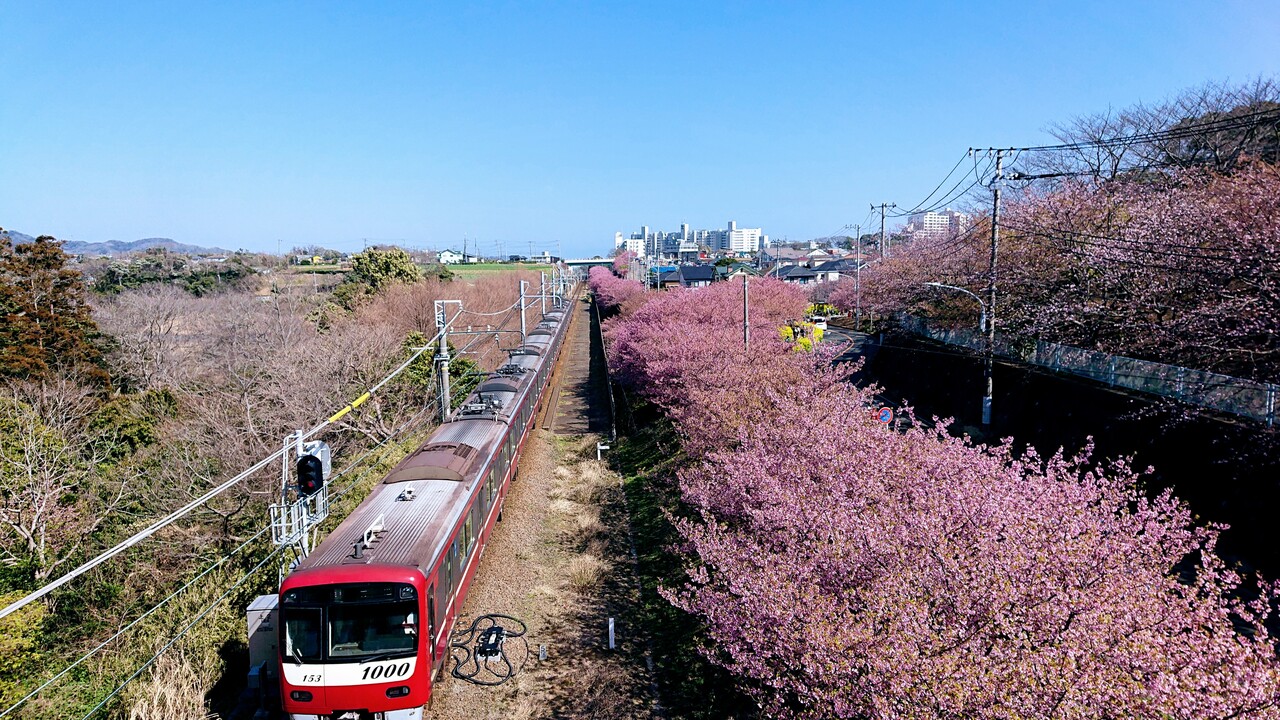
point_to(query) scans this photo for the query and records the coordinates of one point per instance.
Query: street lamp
(982, 324)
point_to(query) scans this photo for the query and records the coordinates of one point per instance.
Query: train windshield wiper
(387, 655)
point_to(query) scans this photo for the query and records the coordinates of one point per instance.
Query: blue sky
(245, 125)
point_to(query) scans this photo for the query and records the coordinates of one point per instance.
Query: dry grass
(601, 695)
(588, 522)
(585, 571)
(174, 692)
(564, 506)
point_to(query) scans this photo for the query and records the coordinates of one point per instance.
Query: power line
(1149, 247)
(952, 195)
(941, 182)
(427, 407)
(209, 495)
(200, 616)
(1174, 133)
(1043, 241)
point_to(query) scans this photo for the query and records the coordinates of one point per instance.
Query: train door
(440, 616)
(431, 621)
(455, 580)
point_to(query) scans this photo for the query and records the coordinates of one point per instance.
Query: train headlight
(399, 691)
(300, 696)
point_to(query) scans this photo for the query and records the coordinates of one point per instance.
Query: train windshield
(382, 629)
(350, 623)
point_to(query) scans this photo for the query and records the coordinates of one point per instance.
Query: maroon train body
(365, 619)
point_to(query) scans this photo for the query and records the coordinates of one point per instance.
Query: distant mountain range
(118, 247)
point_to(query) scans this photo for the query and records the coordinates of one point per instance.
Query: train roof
(414, 520)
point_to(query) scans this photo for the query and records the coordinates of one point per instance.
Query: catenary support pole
(442, 361)
(523, 283)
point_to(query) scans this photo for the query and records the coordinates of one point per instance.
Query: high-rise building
(936, 224)
(687, 242)
(632, 244)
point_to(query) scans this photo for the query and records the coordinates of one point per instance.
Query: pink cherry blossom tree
(843, 569)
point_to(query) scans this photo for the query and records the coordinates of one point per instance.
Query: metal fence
(1224, 393)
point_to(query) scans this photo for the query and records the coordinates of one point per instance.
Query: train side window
(455, 578)
(466, 537)
(489, 489)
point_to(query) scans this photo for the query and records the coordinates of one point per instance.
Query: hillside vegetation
(118, 407)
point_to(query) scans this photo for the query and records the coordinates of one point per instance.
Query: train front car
(354, 644)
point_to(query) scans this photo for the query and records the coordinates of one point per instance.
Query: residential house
(696, 275)
(796, 274)
(735, 271)
(783, 255)
(833, 270)
(669, 279)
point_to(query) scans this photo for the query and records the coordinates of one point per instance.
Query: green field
(470, 271)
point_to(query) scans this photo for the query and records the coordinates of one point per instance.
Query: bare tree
(51, 501)
(1214, 126)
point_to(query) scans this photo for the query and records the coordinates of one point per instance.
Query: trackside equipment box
(264, 639)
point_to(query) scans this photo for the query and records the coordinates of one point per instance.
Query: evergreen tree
(47, 324)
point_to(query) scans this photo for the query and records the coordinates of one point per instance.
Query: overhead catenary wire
(98, 648)
(427, 407)
(199, 616)
(495, 313)
(214, 492)
(425, 411)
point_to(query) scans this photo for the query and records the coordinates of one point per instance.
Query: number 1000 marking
(385, 672)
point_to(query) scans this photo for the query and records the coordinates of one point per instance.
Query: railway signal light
(310, 475)
(312, 468)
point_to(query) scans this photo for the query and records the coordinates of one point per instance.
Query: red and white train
(365, 619)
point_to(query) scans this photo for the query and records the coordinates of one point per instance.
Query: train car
(365, 619)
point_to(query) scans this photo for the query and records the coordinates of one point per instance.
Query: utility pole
(884, 253)
(857, 279)
(991, 283)
(746, 315)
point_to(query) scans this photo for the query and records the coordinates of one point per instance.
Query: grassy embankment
(691, 686)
